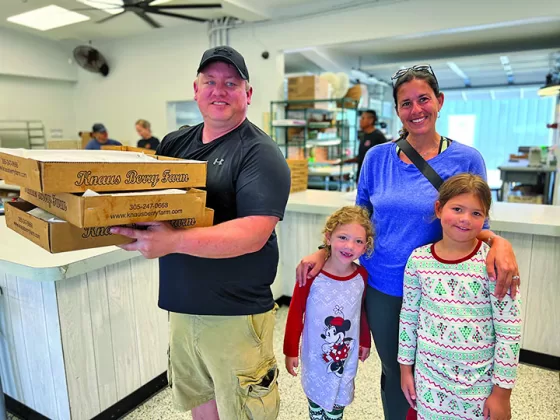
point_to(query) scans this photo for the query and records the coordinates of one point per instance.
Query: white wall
(51, 101)
(26, 55)
(145, 73)
(37, 81)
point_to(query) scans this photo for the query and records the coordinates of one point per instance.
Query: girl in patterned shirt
(335, 331)
(462, 341)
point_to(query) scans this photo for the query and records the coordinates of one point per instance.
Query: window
(462, 128)
(497, 122)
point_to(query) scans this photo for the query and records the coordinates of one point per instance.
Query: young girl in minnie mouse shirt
(335, 330)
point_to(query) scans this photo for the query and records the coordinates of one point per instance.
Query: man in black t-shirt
(368, 136)
(144, 130)
(215, 281)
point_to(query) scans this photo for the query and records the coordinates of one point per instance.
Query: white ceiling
(130, 25)
(121, 26)
(477, 52)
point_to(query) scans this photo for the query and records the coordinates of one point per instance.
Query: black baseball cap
(227, 55)
(98, 128)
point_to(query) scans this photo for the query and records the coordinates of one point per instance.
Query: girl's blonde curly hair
(344, 216)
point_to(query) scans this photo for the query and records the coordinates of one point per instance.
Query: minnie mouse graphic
(337, 346)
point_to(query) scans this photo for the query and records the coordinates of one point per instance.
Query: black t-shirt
(151, 143)
(247, 176)
(367, 141)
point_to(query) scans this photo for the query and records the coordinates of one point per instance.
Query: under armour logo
(218, 161)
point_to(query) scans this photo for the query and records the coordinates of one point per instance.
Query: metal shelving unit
(26, 134)
(339, 116)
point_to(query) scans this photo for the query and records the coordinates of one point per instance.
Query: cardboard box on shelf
(85, 137)
(112, 209)
(130, 149)
(308, 88)
(64, 144)
(529, 199)
(54, 171)
(295, 152)
(299, 169)
(60, 236)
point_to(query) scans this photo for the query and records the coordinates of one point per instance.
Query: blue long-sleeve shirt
(401, 201)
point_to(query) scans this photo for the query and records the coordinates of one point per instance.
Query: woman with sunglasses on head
(400, 197)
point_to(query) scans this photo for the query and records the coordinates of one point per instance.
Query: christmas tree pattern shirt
(460, 337)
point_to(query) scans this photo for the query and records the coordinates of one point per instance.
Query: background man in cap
(215, 281)
(368, 136)
(100, 138)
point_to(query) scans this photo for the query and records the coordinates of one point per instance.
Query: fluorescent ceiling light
(48, 17)
(113, 6)
(457, 70)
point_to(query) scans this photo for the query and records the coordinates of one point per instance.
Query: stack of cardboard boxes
(299, 174)
(312, 88)
(72, 198)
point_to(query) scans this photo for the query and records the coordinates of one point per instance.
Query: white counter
(21, 257)
(534, 219)
(80, 330)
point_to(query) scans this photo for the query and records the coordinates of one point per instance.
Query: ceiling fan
(142, 7)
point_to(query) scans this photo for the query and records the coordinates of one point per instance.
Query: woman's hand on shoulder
(501, 265)
(310, 266)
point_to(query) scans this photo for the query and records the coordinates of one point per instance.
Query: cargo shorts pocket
(258, 389)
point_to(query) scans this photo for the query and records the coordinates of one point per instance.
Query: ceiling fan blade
(176, 15)
(148, 19)
(85, 9)
(114, 3)
(187, 6)
(110, 17)
(130, 2)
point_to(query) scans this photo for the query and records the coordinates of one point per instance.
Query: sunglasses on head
(419, 67)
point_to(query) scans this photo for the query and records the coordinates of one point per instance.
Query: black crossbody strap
(420, 163)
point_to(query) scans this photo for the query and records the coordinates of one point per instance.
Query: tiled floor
(536, 396)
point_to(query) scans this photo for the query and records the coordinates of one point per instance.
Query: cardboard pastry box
(51, 171)
(60, 236)
(116, 209)
(130, 149)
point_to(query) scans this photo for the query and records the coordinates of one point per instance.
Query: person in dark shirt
(215, 281)
(368, 136)
(144, 130)
(100, 137)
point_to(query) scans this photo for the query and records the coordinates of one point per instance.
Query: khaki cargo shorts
(226, 358)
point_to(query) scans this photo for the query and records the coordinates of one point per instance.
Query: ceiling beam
(417, 55)
(324, 59)
(237, 9)
(457, 70)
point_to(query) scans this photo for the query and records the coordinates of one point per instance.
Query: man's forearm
(226, 240)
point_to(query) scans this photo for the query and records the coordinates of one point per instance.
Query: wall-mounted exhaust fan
(91, 60)
(141, 8)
